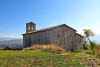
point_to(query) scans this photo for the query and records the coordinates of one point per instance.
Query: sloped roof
(80, 35)
(48, 29)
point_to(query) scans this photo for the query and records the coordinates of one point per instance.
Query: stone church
(58, 35)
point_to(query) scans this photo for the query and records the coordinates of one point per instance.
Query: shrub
(85, 46)
(9, 48)
(98, 48)
(88, 45)
(49, 47)
(76, 51)
(89, 51)
(6, 48)
(97, 51)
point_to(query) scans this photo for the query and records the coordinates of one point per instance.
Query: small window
(70, 35)
(58, 35)
(32, 27)
(29, 27)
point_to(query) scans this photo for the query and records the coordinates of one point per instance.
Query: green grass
(89, 52)
(35, 58)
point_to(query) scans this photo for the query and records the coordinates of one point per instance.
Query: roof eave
(80, 35)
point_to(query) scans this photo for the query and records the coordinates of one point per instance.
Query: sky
(78, 14)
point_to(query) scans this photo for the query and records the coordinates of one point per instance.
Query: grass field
(40, 58)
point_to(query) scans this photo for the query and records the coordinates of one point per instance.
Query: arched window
(32, 27)
(29, 27)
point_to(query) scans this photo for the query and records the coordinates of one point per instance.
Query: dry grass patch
(49, 47)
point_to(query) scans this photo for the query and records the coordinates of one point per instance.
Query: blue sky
(78, 14)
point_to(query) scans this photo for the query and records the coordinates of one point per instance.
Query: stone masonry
(58, 35)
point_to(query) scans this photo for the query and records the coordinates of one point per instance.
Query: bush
(98, 48)
(88, 46)
(89, 51)
(6, 48)
(9, 48)
(76, 51)
(97, 51)
(49, 47)
(85, 46)
(94, 44)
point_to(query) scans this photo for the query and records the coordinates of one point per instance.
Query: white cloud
(8, 36)
(96, 31)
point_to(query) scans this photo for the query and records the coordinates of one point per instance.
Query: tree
(89, 33)
(93, 44)
(85, 45)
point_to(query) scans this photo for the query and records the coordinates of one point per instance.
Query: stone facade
(79, 41)
(58, 35)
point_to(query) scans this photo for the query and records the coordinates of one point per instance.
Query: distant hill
(11, 42)
(7, 38)
(14, 41)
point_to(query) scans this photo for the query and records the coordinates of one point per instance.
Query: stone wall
(61, 35)
(42, 37)
(25, 40)
(79, 42)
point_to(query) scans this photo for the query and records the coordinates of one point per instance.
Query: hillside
(11, 46)
(15, 43)
(40, 58)
(11, 42)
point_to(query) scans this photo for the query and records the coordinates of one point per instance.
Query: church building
(59, 35)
